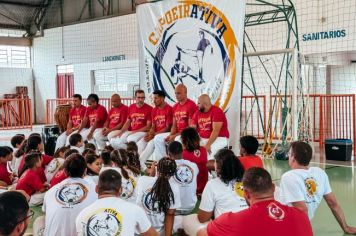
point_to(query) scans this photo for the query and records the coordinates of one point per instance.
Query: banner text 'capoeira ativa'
(197, 43)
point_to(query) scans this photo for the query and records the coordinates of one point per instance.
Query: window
(15, 56)
(120, 80)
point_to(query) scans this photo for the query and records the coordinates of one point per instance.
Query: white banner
(199, 44)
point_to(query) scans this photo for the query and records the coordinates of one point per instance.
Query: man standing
(183, 112)
(116, 119)
(211, 124)
(161, 123)
(76, 116)
(96, 115)
(304, 187)
(265, 215)
(137, 124)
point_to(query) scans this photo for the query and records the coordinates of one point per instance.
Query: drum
(50, 134)
(61, 116)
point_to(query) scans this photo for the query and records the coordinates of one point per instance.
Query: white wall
(343, 79)
(12, 77)
(84, 46)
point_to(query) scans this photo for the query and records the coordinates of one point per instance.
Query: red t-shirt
(99, 114)
(58, 177)
(139, 116)
(200, 158)
(162, 117)
(30, 182)
(251, 161)
(45, 161)
(182, 114)
(77, 114)
(204, 122)
(4, 174)
(269, 218)
(117, 115)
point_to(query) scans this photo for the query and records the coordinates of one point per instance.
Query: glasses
(29, 216)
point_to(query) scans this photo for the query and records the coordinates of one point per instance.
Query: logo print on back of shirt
(148, 203)
(104, 222)
(275, 212)
(128, 187)
(184, 174)
(52, 166)
(71, 194)
(310, 186)
(197, 153)
(238, 188)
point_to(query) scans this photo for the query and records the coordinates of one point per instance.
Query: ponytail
(161, 191)
(32, 143)
(133, 163)
(119, 157)
(30, 160)
(21, 151)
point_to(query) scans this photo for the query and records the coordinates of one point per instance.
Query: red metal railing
(15, 114)
(331, 116)
(51, 105)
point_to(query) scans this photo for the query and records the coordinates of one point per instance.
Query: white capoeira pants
(219, 143)
(39, 226)
(160, 149)
(191, 224)
(101, 140)
(36, 199)
(128, 136)
(63, 139)
(145, 149)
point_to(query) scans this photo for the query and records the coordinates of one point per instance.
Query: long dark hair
(21, 151)
(228, 166)
(32, 143)
(31, 159)
(90, 158)
(123, 160)
(190, 139)
(161, 191)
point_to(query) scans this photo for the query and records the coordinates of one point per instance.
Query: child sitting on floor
(248, 149)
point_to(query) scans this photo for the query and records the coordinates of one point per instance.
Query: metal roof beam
(22, 4)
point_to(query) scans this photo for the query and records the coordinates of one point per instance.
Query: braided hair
(161, 191)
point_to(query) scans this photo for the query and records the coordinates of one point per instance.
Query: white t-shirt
(79, 149)
(112, 216)
(92, 178)
(128, 185)
(221, 198)
(64, 202)
(305, 185)
(144, 199)
(52, 168)
(186, 178)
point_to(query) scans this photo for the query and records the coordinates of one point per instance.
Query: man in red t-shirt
(183, 112)
(76, 116)
(265, 215)
(248, 149)
(116, 119)
(95, 118)
(137, 124)
(211, 124)
(162, 118)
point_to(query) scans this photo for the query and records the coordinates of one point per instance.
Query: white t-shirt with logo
(64, 202)
(112, 216)
(308, 185)
(52, 168)
(221, 198)
(186, 178)
(144, 199)
(128, 185)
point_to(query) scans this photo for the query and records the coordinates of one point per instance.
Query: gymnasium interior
(295, 76)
